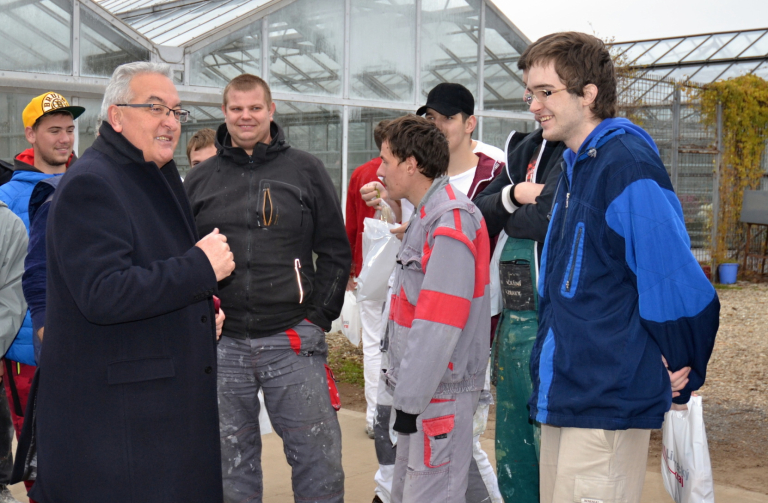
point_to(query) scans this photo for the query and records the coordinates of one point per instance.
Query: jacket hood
(604, 131)
(25, 161)
(261, 152)
(42, 192)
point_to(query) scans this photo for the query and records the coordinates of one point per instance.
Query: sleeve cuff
(684, 398)
(507, 199)
(405, 423)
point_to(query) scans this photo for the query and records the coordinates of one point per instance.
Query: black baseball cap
(449, 99)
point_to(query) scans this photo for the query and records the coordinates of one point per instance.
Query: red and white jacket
(439, 322)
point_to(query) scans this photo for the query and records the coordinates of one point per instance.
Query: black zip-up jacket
(529, 221)
(276, 207)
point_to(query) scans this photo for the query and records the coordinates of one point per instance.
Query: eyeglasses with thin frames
(541, 95)
(157, 110)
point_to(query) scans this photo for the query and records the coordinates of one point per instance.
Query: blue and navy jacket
(619, 288)
(16, 194)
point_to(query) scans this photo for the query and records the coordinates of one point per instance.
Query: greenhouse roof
(701, 58)
(178, 22)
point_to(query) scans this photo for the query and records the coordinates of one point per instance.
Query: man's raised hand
(215, 247)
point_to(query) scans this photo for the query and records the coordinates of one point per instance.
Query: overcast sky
(634, 19)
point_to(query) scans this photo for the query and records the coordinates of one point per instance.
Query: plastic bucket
(727, 273)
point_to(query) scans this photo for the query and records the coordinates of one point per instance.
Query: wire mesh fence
(671, 113)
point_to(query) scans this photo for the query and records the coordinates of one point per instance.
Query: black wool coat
(127, 406)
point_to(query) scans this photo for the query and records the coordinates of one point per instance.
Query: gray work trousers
(433, 463)
(477, 491)
(291, 369)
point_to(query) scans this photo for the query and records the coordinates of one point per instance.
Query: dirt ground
(735, 395)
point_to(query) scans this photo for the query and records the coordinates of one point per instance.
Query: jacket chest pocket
(570, 282)
(280, 205)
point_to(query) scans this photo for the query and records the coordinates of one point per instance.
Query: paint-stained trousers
(433, 464)
(291, 369)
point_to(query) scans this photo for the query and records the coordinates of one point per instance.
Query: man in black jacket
(277, 206)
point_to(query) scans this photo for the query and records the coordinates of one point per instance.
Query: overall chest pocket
(280, 205)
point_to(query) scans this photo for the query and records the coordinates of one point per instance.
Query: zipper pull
(567, 198)
(296, 267)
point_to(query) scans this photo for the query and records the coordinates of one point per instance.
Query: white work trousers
(371, 318)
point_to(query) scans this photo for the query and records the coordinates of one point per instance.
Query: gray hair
(119, 87)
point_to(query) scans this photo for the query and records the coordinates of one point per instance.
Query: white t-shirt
(463, 181)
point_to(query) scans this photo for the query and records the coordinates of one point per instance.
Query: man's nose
(170, 121)
(535, 106)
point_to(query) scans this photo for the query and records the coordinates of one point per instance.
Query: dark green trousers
(517, 437)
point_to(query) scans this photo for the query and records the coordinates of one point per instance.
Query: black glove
(405, 423)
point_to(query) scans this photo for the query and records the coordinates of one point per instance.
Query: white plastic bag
(379, 254)
(497, 305)
(685, 465)
(348, 322)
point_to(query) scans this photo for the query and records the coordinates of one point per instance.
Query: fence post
(675, 135)
(716, 190)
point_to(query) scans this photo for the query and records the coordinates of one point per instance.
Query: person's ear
(115, 118)
(470, 124)
(590, 94)
(30, 134)
(411, 166)
(271, 110)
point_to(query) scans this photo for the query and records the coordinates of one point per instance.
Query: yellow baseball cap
(48, 103)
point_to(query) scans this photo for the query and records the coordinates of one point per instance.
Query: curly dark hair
(411, 135)
(579, 59)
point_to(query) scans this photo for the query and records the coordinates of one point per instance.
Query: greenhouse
(336, 67)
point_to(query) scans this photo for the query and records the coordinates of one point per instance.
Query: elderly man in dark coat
(126, 409)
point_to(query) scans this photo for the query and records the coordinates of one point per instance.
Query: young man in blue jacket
(49, 128)
(619, 288)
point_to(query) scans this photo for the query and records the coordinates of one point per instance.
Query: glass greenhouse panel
(103, 48)
(195, 24)
(633, 54)
(382, 50)
(362, 147)
(709, 47)
(315, 129)
(201, 117)
(87, 124)
(738, 69)
(739, 44)
(662, 49)
(709, 73)
(503, 81)
(449, 39)
(688, 45)
(216, 64)
(306, 47)
(759, 48)
(36, 36)
(762, 71)
(12, 140)
(496, 130)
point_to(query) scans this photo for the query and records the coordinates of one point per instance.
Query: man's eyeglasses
(541, 95)
(157, 110)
